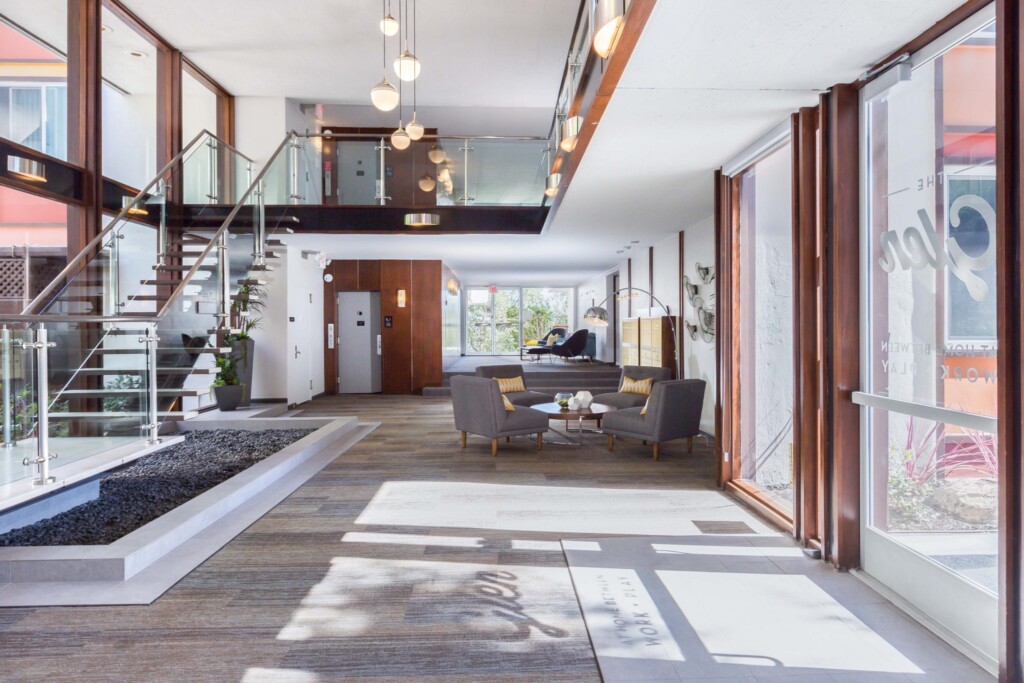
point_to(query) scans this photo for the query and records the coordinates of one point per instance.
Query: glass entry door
(493, 320)
(928, 337)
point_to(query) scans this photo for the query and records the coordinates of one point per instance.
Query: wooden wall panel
(368, 276)
(346, 275)
(396, 341)
(426, 306)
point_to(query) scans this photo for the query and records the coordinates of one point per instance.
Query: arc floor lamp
(598, 316)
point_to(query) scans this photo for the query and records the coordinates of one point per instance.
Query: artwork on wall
(703, 323)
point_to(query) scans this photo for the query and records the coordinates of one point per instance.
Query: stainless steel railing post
(213, 195)
(43, 456)
(161, 235)
(151, 340)
(259, 231)
(383, 196)
(224, 273)
(5, 341)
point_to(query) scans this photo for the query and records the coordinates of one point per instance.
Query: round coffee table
(556, 412)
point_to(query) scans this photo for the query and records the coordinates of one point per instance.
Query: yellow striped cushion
(508, 404)
(637, 386)
(643, 411)
(508, 385)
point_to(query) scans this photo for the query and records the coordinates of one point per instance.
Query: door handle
(297, 352)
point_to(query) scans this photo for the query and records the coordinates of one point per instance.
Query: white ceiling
(707, 78)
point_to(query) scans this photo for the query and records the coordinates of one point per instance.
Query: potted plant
(226, 386)
(249, 299)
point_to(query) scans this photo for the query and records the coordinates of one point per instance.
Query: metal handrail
(378, 136)
(215, 239)
(86, 252)
(69, 318)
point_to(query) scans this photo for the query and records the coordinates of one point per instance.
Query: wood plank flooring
(293, 599)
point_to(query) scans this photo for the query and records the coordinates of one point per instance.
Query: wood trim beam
(85, 122)
(168, 106)
(1010, 311)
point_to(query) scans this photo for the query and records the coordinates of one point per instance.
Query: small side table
(556, 412)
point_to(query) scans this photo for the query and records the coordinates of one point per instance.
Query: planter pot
(242, 351)
(229, 397)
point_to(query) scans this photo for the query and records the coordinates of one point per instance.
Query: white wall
(591, 293)
(260, 125)
(129, 137)
(698, 355)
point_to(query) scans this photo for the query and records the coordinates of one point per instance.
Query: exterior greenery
(542, 309)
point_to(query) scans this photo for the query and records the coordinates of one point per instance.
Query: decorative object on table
(585, 397)
(524, 398)
(574, 403)
(226, 387)
(562, 398)
(597, 315)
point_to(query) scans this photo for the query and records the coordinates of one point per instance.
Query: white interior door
(300, 355)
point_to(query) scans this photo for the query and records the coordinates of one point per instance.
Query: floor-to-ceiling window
(499, 320)
(766, 357)
(928, 334)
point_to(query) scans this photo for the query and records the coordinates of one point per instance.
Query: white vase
(585, 398)
(574, 403)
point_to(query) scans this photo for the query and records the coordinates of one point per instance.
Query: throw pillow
(509, 385)
(531, 342)
(643, 411)
(509, 408)
(552, 338)
(637, 386)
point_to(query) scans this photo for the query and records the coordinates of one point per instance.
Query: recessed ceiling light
(106, 29)
(635, 242)
(137, 54)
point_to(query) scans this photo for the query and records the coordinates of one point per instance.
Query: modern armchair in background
(573, 346)
(479, 410)
(621, 399)
(673, 412)
(518, 398)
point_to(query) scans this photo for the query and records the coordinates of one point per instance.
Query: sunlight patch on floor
(261, 675)
(733, 551)
(413, 539)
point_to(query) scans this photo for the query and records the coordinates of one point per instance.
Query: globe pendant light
(384, 96)
(389, 26)
(444, 174)
(427, 184)
(553, 181)
(400, 139)
(570, 133)
(415, 129)
(608, 18)
(407, 66)
(436, 153)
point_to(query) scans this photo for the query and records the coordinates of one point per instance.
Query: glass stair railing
(128, 335)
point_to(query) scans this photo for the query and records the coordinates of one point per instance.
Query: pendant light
(415, 129)
(554, 179)
(571, 127)
(400, 139)
(389, 25)
(436, 153)
(444, 174)
(422, 220)
(427, 183)
(608, 18)
(407, 66)
(383, 95)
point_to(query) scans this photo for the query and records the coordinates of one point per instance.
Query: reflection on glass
(33, 246)
(932, 323)
(766, 326)
(544, 308)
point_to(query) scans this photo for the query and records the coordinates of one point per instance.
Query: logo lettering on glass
(920, 246)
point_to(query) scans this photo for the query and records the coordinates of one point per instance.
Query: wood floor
(293, 599)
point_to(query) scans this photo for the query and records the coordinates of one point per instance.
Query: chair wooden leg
(463, 439)
(611, 442)
(657, 450)
(645, 442)
(540, 441)
(494, 447)
(689, 444)
(508, 439)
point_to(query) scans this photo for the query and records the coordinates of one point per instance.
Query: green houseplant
(226, 386)
(249, 300)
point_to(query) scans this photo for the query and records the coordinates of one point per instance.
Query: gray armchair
(620, 399)
(673, 413)
(518, 398)
(480, 410)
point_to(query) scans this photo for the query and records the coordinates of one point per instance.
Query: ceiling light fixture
(609, 15)
(389, 25)
(26, 169)
(427, 183)
(400, 139)
(415, 129)
(553, 181)
(570, 133)
(406, 65)
(436, 153)
(137, 54)
(444, 174)
(422, 220)
(383, 95)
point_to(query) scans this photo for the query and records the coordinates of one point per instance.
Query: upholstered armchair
(673, 412)
(518, 398)
(543, 348)
(620, 399)
(479, 410)
(571, 347)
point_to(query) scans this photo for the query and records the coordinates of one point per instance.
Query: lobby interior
(666, 340)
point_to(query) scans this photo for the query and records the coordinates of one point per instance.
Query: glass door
(928, 337)
(493, 317)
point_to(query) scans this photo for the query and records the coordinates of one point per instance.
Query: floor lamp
(598, 316)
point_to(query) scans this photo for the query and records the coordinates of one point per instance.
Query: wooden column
(168, 107)
(85, 122)
(1010, 311)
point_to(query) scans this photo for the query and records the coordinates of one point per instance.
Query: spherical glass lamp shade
(389, 26)
(553, 181)
(427, 184)
(596, 316)
(384, 96)
(570, 133)
(400, 139)
(436, 153)
(444, 174)
(407, 67)
(608, 19)
(415, 129)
